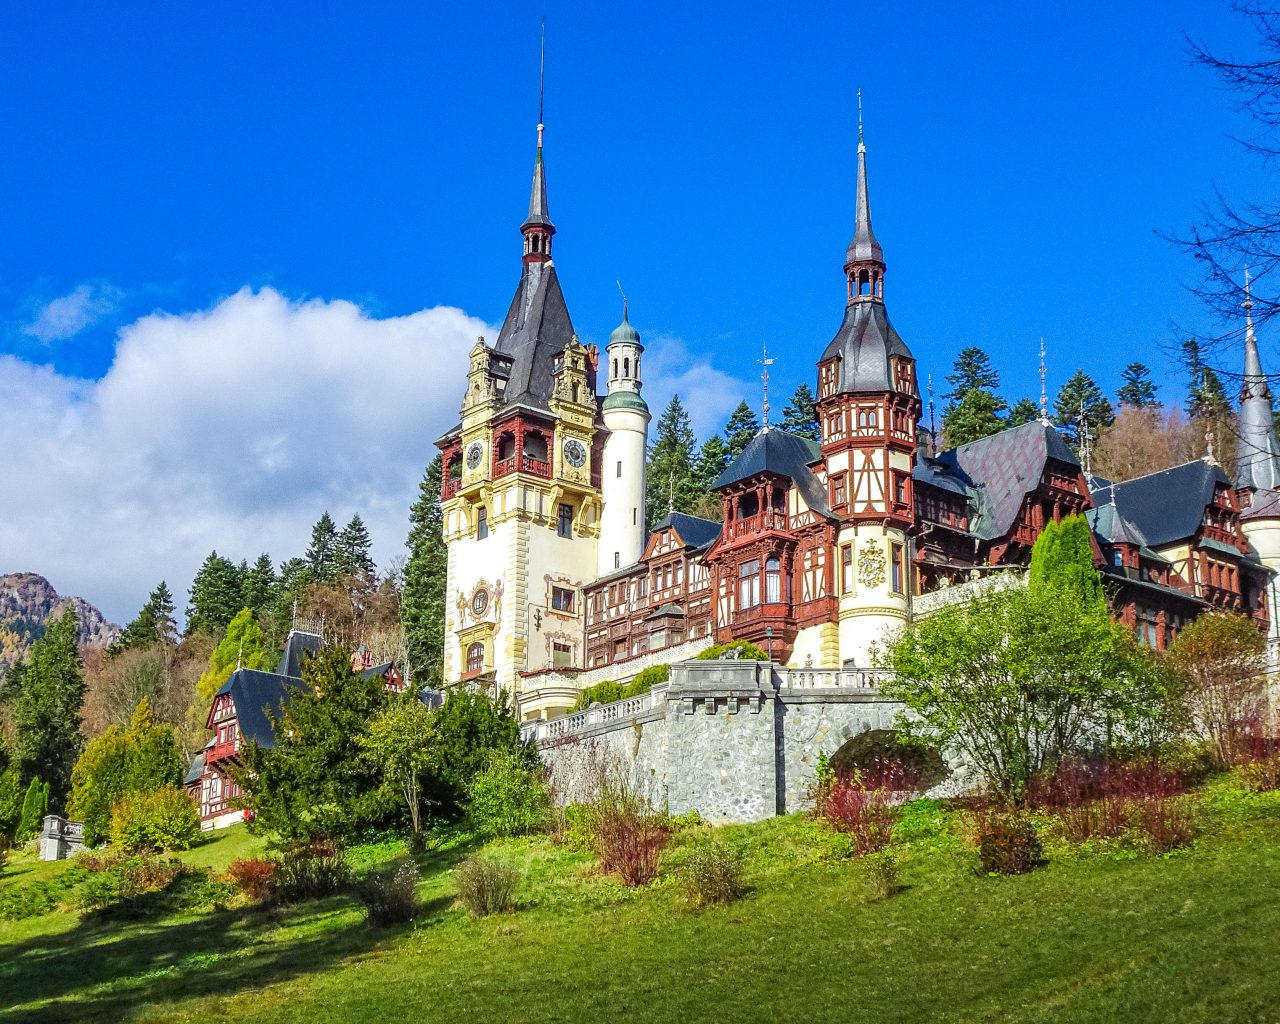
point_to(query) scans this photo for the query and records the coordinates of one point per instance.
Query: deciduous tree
(399, 743)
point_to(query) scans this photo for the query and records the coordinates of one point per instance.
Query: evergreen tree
(1024, 411)
(422, 602)
(290, 585)
(1205, 396)
(800, 415)
(713, 459)
(740, 429)
(972, 371)
(258, 584)
(243, 644)
(975, 416)
(320, 555)
(1138, 390)
(1082, 394)
(351, 555)
(155, 623)
(48, 709)
(35, 805)
(1062, 558)
(216, 595)
(671, 482)
(10, 794)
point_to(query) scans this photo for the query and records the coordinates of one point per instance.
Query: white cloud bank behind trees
(235, 428)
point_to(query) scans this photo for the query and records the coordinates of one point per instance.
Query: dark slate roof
(255, 694)
(1167, 506)
(785, 454)
(536, 330)
(1000, 470)
(930, 471)
(693, 530)
(377, 670)
(864, 344)
(298, 643)
(1265, 505)
(197, 767)
(1113, 528)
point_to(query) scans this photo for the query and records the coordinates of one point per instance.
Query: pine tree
(48, 709)
(671, 480)
(422, 602)
(800, 415)
(154, 624)
(216, 596)
(975, 416)
(972, 371)
(1024, 411)
(258, 584)
(740, 429)
(1138, 390)
(713, 459)
(320, 555)
(290, 585)
(351, 555)
(1081, 394)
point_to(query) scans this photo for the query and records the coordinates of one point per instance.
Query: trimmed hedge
(747, 651)
(609, 691)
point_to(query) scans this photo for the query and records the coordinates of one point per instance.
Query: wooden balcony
(522, 464)
(759, 523)
(222, 751)
(449, 487)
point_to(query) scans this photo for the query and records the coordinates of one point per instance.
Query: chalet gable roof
(256, 695)
(1167, 506)
(786, 455)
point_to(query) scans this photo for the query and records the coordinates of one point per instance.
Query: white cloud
(235, 427)
(70, 314)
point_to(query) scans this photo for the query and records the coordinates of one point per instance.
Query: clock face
(575, 452)
(479, 602)
(475, 452)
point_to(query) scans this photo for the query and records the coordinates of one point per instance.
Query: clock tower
(521, 492)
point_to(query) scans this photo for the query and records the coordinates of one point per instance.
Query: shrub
(487, 886)
(712, 874)
(747, 651)
(18, 901)
(1007, 844)
(629, 838)
(509, 797)
(164, 819)
(115, 879)
(573, 826)
(35, 805)
(861, 805)
(1262, 775)
(609, 691)
(602, 693)
(311, 867)
(390, 897)
(254, 877)
(1165, 821)
(880, 877)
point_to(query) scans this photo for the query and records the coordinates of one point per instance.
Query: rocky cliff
(27, 602)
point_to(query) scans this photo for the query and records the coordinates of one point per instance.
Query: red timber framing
(1061, 491)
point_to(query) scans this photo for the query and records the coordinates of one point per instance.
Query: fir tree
(216, 596)
(48, 709)
(671, 482)
(422, 602)
(740, 429)
(320, 555)
(713, 459)
(258, 584)
(1024, 411)
(1081, 395)
(291, 583)
(155, 623)
(351, 555)
(972, 371)
(1138, 390)
(800, 415)
(975, 416)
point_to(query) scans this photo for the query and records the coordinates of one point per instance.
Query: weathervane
(1044, 395)
(542, 78)
(933, 427)
(765, 362)
(1086, 448)
(859, 117)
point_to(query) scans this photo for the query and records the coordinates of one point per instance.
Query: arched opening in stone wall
(877, 749)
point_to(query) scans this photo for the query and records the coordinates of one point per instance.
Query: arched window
(626, 367)
(475, 657)
(772, 580)
(615, 366)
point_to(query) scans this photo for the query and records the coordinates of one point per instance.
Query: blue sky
(160, 159)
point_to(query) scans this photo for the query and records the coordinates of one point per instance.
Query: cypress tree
(800, 415)
(1063, 558)
(35, 805)
(48, 709)
(422, 602)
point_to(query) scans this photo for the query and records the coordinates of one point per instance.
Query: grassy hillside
(1098, 935)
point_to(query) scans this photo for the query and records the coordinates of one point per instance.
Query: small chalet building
(243, 709)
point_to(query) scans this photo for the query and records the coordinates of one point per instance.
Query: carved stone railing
(935, 600)
(869, 679)
(60, 838)
(597, 715)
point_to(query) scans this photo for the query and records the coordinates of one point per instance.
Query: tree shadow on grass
(107, 967)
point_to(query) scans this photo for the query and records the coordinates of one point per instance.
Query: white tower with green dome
(626, 417)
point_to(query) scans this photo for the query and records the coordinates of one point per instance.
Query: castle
(555, 583)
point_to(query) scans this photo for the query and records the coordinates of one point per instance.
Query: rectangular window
(619, 473)
(617, 559)
(900, 488)
(846, 569)
(562, 599)
(564, 521)
(482, 523)
(749, 584)
(838, 495)
(561, 655)
(895, 566)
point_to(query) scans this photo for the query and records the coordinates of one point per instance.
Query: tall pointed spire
(864, 260)
(537, 228)
(1258, 450)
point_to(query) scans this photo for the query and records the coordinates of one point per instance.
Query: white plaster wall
(622, 525)
(869, 614)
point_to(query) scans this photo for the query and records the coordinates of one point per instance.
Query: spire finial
(933, 427)
(624, 300)
(1044, 395)
(1086, 443)
(860, 143)
(542, 78)
(765, 362)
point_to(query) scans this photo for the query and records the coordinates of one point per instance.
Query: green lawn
(1091, 936)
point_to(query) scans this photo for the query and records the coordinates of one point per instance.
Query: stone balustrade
(598, 716)
(935, 600)
(60, 838)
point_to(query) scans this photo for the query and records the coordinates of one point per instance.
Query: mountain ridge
(28, 602)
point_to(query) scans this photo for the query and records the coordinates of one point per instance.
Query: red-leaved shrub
(629, 840)
(253, 877)
(861, 804)
(1007, 844)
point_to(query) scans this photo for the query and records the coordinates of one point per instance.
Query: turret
(626, 417)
